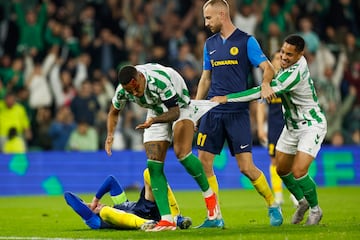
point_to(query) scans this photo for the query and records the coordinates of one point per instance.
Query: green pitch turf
(244, 211)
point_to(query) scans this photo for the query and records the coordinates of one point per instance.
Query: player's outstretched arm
(250, 94)
(112, 120)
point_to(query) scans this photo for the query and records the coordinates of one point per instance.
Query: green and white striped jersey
(162, 83)
(296, 89)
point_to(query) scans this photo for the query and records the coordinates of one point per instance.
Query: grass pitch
(244, 211)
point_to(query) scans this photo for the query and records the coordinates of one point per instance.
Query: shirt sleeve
(255, 54)
(206, 61)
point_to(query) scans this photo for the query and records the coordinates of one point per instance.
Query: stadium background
(170, 32)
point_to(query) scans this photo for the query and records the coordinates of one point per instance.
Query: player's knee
(105, 212)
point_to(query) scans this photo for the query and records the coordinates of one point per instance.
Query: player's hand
(146, 124)
(267, 92)
(219, 99)
(94, 203)
(108, 143)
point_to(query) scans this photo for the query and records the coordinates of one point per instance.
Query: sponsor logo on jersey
(224, 62)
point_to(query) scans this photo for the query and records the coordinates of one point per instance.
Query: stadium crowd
(59, 61)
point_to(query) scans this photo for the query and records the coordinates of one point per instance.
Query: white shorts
(307, 139)
(163, 131)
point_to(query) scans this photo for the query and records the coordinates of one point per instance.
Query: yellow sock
(276, 181)
(121, 219)
(262, 186)
(174, 207)
(214, 185)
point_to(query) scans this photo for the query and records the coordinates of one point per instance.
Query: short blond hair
(217, 2)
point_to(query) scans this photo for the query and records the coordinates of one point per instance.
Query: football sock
(215, 188)
(214, 184)
(120, 218)
(90, 218)
(292, 185)
(111, 185)
(174, 207)
(276, 181)
(308, 187)
(159, 186)
(193, 166)
(263, 188)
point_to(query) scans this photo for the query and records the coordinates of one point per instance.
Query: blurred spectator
(85, 105)
(133, 116)
(70, 43)
(8, 34)
(335, 115)
(53, 32)
(277, 13)
(247, 18)
(311, 38)
(108, 51)
(342, 14)
(272, 41)
(12, 77)
(62, 82)
(87, 24)
(36, 79)
(31, 26)
(83, 138)
(14, 143)
(40, 129)
(13, 115)
(61, 128)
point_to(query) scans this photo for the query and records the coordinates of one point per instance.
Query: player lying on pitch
(124, 214)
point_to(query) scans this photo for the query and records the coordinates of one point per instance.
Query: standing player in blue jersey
(228, 58)
(124, 214)
(305, 126)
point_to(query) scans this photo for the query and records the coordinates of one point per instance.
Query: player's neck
(227, 30)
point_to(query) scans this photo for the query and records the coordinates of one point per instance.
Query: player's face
(212, 18)
(136, 86)
(289, 55)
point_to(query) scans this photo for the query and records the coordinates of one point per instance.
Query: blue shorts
(216, 127)
(142, 208)
(275, 126)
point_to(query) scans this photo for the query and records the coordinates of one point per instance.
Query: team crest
(234, 51)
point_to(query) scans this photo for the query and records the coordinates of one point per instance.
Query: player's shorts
(163, 131)
(216, 127)
(142, 208)
(274, 130)
(306, 139)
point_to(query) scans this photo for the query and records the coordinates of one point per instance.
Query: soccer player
(124, 214)
(170, 115)
(228, 56)
(305, 126)
(275, 121)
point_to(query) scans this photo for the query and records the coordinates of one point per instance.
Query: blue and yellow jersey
(230, 61)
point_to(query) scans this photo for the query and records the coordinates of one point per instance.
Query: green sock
(308, 187)
(193, 166)
(293, 186)
(159, 186)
